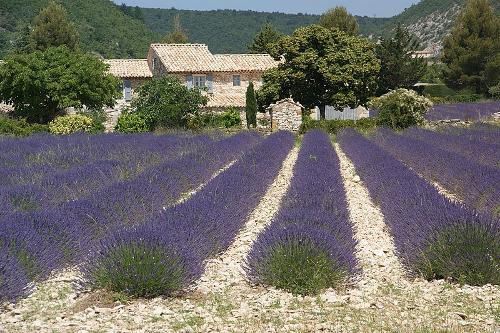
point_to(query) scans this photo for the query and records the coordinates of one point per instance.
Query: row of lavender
(35, 243)
(309, 246)
(32, 160)
(463, 111)
(168, 253)
(470, 175)
(52, 188)
(434, 237)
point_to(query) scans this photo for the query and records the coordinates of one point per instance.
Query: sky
(378, 8)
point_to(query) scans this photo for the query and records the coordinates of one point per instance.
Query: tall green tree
(398, 68)
(322, 67)
(166, 102)
(177, 35)
(41, 84)
(265, 39)
(251, 106)
(471, 51)
(339, 18)
(53, 28)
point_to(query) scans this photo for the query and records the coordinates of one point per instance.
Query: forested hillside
(114, 31)
(103, 27)
(230, 31)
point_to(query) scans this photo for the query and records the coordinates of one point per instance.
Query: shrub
(71, 124)
(13, 280)
(467, 254)
(439, 90)
(139, 263)
(99, 117)
(334, 126)
(166, 102)
(300, 268)
(21, 127)
(228, 119)
(131, 123)
(495, 92)
(401, 108)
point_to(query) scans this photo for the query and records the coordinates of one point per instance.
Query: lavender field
(463, 111)
(349, 227)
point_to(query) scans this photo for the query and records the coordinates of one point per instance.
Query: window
(127, 90)
(236, 80)
(199, 81)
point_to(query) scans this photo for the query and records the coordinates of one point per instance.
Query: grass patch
(138, 270)
(467, 255)
(301, 269)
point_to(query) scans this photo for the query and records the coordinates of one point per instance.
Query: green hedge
(334, 126)
(13, 127)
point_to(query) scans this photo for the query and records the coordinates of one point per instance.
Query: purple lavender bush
(474, 184)
(477, 151)
(167, 254)
(463, 111)
(13, 281)
(134, 202)
(309, 246)
(434, 237)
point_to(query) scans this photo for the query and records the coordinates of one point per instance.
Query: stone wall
(286, 115)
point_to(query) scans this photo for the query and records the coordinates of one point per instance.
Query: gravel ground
(382, 299)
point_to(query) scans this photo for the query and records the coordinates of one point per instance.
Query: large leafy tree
(53, 28)
(398, 68)
(41, 84)
(339, 18)
(265, 39)
(166, 102)
(177, 35)
(322, 67)
(471, 51)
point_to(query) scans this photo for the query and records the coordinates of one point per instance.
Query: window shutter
(210, 83)
(189, 81)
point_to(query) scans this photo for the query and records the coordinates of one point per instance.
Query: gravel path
(227, 269)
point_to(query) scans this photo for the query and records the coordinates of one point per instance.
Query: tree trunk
(322, 112)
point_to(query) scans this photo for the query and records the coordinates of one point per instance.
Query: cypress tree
(264, 40)
(471, 51)
(52, 28)
(177, 35)
(251, 106)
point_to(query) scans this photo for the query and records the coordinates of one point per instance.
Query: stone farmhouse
(225, 76)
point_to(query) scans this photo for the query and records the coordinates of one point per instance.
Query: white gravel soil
(382, 299)
(227, 269)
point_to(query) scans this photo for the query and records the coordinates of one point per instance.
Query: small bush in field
(99, 117)
(300, 268)
(401, 108)
(71, 124)
(131, 123)
(467, 254)
(20, 127)
(13, 280)
(141, 262)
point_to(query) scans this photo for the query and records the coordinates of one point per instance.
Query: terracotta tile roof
(181, 58)
(244, 62)
(178, 58)
(221, 100)
(129, 68)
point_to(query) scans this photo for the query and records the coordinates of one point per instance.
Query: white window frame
(239, 80)
(199, 81)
